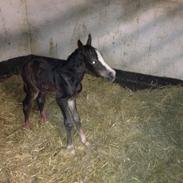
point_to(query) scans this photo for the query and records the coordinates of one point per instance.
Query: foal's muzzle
(111, 76)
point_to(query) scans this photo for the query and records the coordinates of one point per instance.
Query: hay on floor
(135, 137)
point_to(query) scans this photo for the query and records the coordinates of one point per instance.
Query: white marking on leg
(82, 136)
(100, 58)
(71, 104)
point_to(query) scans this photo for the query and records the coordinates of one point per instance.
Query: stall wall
(144, 36)
(14, 31)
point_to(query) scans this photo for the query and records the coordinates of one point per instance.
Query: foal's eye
(93, 62)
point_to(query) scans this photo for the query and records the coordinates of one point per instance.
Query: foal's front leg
(76, 118)
(63, 104)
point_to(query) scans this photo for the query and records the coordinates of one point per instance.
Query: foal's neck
(76, 64)
(75, 61)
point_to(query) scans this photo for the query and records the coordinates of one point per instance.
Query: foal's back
(39, 72)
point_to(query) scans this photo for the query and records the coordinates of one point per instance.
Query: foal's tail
(12, 67)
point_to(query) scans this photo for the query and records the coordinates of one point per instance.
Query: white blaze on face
(101, 60)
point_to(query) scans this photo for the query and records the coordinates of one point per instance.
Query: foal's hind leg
(27, 104)
(41, 102)
(76, 118)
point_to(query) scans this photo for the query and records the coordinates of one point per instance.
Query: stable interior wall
(143, 36)
(14, 31)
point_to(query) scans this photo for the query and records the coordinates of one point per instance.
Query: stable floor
(136, 137)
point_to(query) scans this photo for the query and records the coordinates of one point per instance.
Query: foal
(40, 75)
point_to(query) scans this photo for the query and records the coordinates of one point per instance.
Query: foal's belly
(47, 87)
(62, 87)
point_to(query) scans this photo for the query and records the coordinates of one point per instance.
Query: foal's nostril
(112, 76)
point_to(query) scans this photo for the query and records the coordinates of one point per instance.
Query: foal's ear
(89, 40)
(80, 44)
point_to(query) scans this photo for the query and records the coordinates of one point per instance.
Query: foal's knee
(68, 125)
(25, 107)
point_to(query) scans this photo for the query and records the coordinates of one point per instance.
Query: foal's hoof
(43, 122)
(87, 144)
(26, 126)
(71, 149)
(43, 118)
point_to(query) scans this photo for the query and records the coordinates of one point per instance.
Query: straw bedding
(135, 137)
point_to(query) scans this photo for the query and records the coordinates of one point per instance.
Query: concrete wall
(142, 36)
(14, 32)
